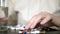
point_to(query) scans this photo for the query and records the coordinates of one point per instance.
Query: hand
(42, 19)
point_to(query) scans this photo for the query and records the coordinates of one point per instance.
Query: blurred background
(4, 21)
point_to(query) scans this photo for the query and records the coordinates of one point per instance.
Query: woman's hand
(42, 19)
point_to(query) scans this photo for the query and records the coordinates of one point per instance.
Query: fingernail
(31, 27)
(42, 23)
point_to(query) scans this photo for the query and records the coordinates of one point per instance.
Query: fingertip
(26, 27)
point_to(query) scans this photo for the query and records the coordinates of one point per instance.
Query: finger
(45, 20)
(37, 20)
(30, 22)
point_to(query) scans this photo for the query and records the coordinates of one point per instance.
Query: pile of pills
(29, 32)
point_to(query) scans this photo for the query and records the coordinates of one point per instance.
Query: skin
(43, 19)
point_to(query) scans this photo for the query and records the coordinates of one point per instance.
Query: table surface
(42, 32)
